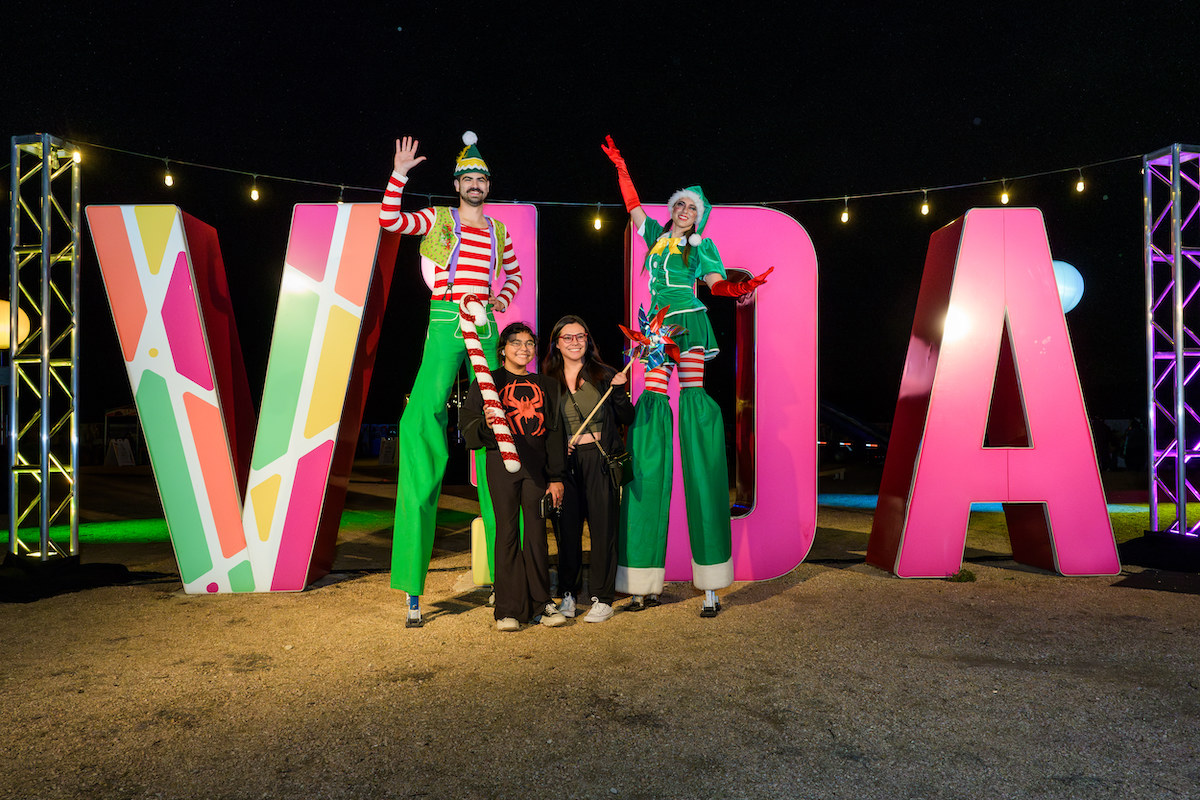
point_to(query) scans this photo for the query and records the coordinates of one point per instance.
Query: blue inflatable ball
(1070, 285)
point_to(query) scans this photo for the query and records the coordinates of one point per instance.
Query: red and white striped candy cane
(471, 313)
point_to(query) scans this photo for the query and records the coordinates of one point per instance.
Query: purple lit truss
(1172, 243)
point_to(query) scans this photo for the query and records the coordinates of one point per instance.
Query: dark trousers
(588, 494)
(522, 568)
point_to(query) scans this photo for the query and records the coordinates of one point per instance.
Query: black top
(616, 411)
(531, 403)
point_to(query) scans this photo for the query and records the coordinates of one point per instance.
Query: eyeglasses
(573, 337)
(522, 345)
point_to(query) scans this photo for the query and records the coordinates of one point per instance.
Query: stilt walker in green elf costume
(470, 254)
(679, 256)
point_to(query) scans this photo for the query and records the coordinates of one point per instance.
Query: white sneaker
(508, 624)
(567, 606)
(599, 612)
(551, 617)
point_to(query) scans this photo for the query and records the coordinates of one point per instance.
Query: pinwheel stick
(583, 425)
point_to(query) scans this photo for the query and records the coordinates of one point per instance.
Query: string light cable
(431, 197)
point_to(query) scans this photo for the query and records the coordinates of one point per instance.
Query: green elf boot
(706, 488)
(646, 500)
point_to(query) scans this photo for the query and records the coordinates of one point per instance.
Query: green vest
(439, 243)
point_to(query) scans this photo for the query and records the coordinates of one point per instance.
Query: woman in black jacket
(588, 490)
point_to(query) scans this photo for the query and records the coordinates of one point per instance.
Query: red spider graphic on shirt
(524, 404)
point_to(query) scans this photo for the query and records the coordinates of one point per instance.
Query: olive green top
(586, 397)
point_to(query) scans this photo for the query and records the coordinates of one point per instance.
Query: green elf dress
(646, 500)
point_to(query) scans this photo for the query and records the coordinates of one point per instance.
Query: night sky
(757, 106)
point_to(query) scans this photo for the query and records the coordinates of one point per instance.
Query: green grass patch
(147, 531)
(121, 531)
(1125, 525)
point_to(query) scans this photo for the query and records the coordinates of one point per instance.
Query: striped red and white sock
(691, 369)
(658, 378)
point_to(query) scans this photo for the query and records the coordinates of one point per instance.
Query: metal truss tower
(1171, 203)
(43, 370)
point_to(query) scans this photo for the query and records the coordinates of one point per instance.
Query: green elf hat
(696, 195)
(469, 159)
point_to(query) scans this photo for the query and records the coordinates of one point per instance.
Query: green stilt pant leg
(422, 451)
(706, 488)
(646, 500)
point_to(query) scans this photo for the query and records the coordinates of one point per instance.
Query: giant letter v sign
(242, 521)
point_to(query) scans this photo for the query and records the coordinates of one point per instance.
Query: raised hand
(628, 193)
(610, 150)
(406, 155)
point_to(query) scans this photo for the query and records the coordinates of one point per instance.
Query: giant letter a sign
(990, 410)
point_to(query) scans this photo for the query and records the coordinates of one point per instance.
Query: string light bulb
(596, 222)
(924, 203)
(167, 178)
(77, 157)
(254, 189)
(1079, 185)
(1003, 193)
(341, 192)
(846, 209)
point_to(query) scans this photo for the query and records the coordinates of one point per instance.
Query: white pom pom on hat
(695, 239)
(469, 138)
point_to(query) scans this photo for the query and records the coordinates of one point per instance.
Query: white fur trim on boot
(712, 576)
(640, 580)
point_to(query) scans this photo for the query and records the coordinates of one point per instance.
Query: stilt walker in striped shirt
(470, 254)
(679, 256)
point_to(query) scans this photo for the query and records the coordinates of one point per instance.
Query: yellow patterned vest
(439, 244)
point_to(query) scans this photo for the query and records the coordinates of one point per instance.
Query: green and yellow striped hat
(469, 159)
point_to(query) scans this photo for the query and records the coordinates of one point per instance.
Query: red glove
(628, 193)
(739, 288)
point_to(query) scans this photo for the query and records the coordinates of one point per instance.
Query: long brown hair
(594, 368)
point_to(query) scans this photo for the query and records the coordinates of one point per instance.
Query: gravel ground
(834, 681)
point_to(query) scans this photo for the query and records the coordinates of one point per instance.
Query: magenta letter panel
(989, 274)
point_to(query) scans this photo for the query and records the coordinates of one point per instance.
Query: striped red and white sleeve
(391, 218)
(512, 272)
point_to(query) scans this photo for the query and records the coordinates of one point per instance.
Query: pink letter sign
(521, 221)
(777, 405)
(989, 336)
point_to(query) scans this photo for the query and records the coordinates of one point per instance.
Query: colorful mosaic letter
(170, 301)
(777, 384)
(990, 410)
